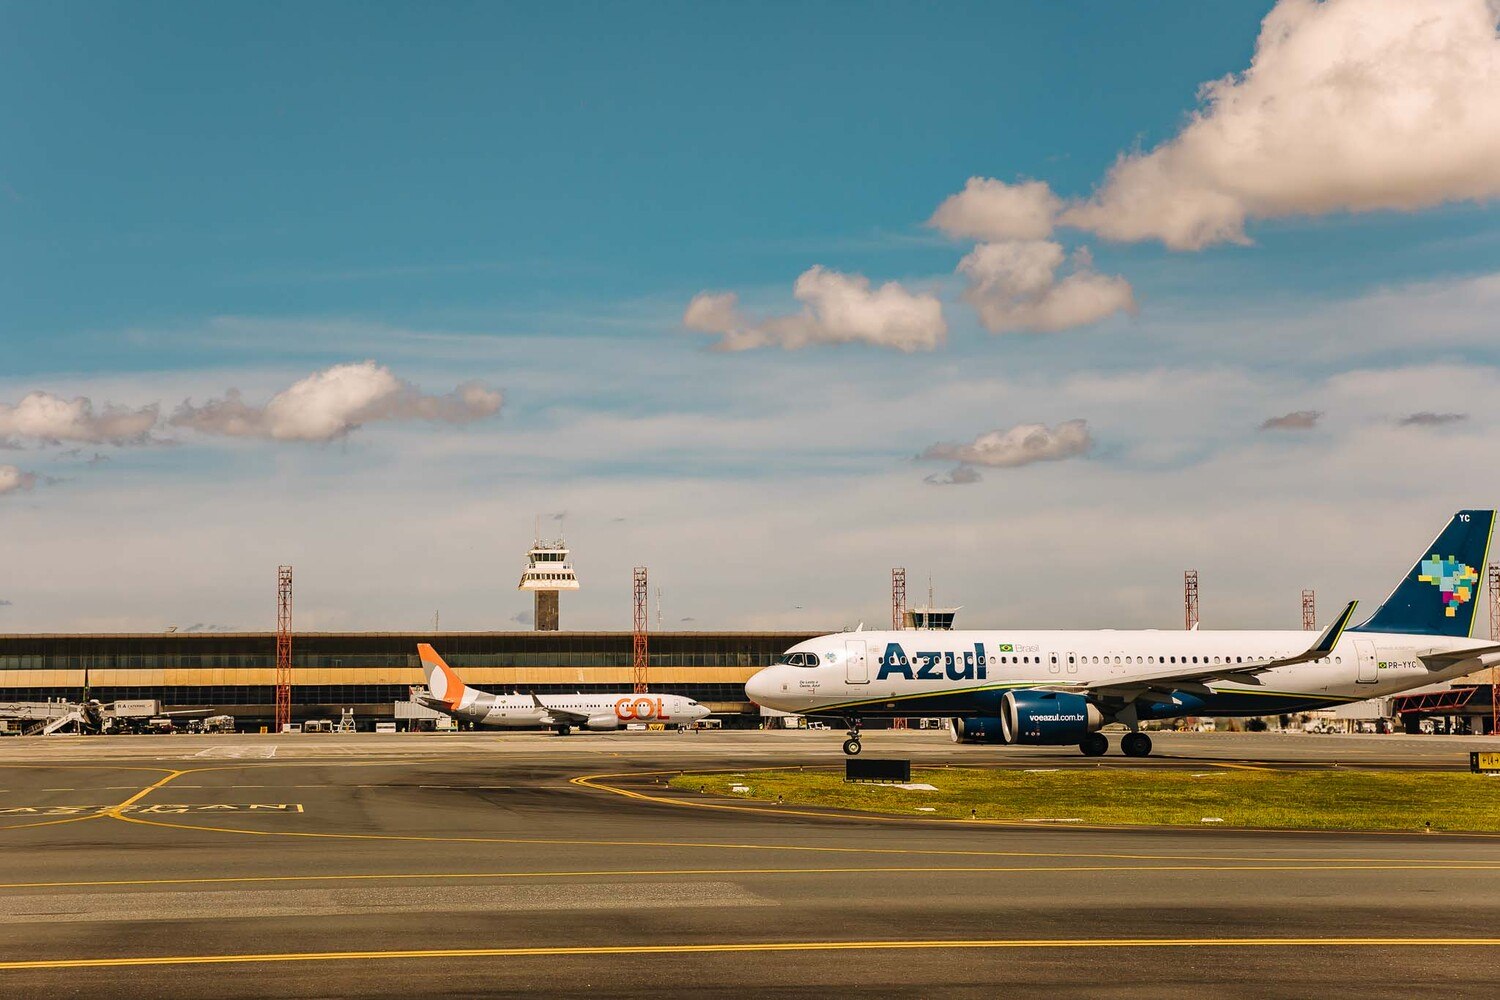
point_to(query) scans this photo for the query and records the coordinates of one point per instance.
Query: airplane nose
(759, 687)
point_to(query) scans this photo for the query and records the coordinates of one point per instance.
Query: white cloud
(1014, 286)
(1022, 444)
(719, 450)
(988, 209)
(13, 480)
(836, 309)
(1348, 105)
(331, 403)
(49, 419)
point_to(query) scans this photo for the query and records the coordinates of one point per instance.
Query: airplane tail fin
(1440, 594)
(444, 684)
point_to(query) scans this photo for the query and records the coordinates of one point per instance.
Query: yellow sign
(1480, 762)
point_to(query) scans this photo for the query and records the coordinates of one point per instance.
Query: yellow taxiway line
(115, 812)
(790, 848)
(1011, 944)
(1479, 866)
(111, 811)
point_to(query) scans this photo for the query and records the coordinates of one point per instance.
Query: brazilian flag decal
(1006, 647)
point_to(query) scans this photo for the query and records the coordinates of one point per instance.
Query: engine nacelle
(978, 729)
(1047, 718)
(602, 723)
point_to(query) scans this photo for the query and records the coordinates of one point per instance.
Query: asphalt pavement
(477, 865)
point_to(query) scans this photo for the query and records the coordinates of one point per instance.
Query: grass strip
(1448, 801)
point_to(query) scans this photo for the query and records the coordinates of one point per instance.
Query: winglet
(1331, 634)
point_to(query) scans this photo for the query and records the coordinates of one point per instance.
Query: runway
(467, 865)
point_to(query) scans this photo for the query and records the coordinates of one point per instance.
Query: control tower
(932, 619)
(548, 571)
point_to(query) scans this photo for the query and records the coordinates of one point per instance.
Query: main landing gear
(851, 745)
(1135, 745)
(1094, 745)
(564, 730)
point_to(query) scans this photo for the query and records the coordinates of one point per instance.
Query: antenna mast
(283, 647)
(898, 598)
(1190, 598)
(642, 599)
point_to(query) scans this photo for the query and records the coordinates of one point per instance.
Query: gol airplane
(595, 712)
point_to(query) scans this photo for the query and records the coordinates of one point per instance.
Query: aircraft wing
(561, 715)
(170, 713)
(1194, 678)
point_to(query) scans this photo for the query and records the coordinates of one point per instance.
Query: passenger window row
(1105, 660)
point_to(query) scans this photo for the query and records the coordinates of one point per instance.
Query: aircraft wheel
(563, 730)
(852, 747)
(1094, 745)
(1136, 745)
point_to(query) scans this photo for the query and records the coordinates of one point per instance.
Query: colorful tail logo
(441, 680)
(1453, 579)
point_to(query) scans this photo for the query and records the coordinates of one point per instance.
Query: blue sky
(197, 197)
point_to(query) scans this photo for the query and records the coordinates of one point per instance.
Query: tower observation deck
(548, 570)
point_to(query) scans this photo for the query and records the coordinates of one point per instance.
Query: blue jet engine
(978, 729)
(1047, 718)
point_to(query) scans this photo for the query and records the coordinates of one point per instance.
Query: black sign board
(873, 769)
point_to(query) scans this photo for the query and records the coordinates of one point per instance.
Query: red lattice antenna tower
(642, 598)
(898, 597)
(1309, 611)
(1494, 582)
(283, 646)
(1190, 598)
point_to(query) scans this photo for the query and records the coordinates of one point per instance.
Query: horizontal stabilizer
(1443, 658)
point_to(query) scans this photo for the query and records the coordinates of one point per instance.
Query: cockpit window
(799, 659)
(811, 659)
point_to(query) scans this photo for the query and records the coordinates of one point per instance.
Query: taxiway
(475, 865)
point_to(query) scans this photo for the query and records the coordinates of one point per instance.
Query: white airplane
(561, 713)
(1060, 687)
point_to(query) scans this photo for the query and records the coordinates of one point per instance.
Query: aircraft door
(1365, 671)
(856, 665)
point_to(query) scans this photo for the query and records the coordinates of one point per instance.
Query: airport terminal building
(234, 673)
